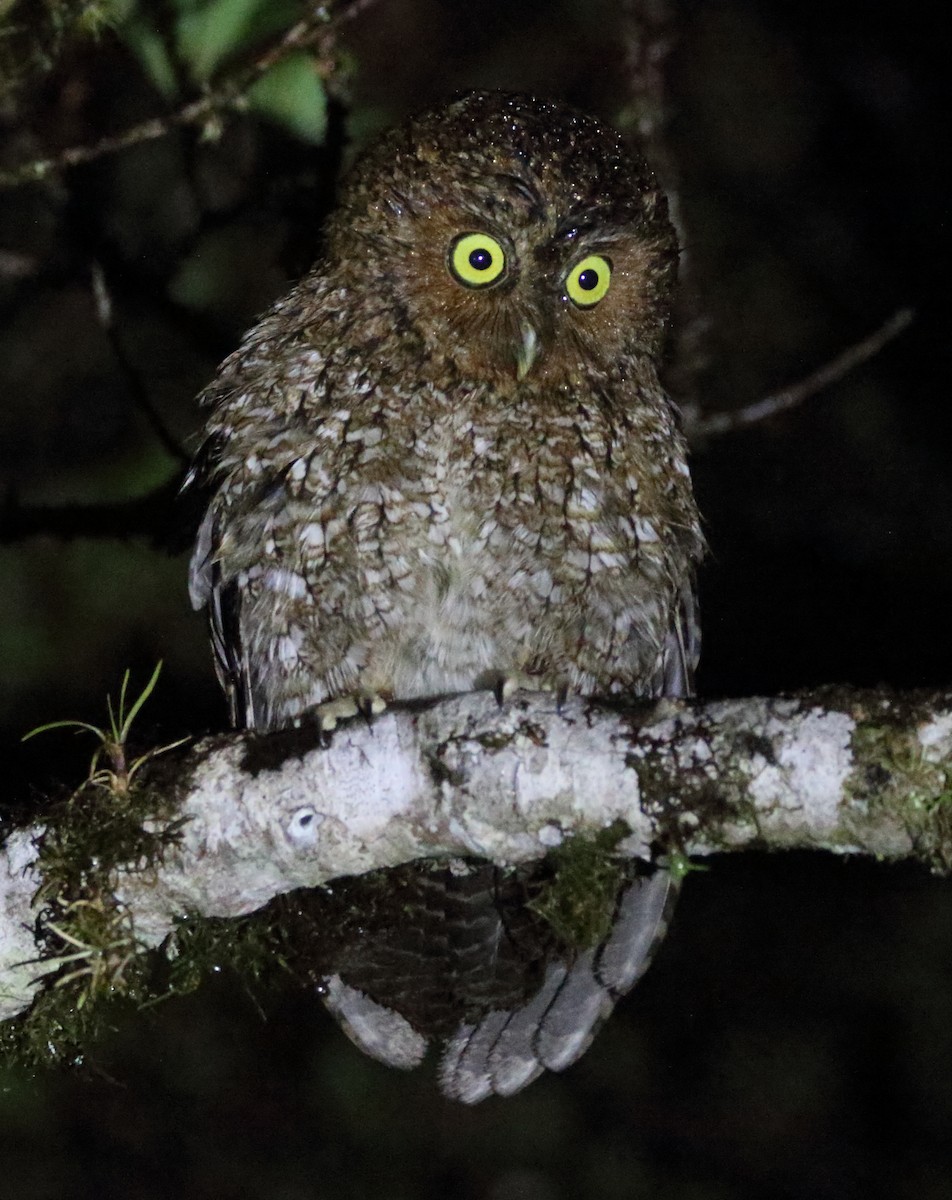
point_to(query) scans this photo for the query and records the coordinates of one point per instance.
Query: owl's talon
(332, 711)
(367, 705)
(506, 686)
(371, 706)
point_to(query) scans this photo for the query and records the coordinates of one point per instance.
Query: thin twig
(133, 378)
(649, 34)
(228, 94)
(699, 427)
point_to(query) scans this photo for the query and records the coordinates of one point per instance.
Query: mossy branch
(217, 829)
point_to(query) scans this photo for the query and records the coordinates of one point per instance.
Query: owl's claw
(506, 686)
(371, 706)
(367, 705)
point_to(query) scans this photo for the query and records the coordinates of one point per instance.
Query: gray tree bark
(843, 771)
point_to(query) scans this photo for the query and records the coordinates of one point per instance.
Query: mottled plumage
(444, 460)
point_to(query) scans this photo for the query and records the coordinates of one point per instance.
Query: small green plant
(118, 776)
(680, 866)
(90, 962)
(99, 957)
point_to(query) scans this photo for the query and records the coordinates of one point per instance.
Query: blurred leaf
(209, 33)
(149, 47)
(292, 95)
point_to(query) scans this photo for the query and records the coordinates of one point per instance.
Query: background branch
(317, 26)
(699, 426)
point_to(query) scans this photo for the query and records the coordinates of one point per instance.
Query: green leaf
(127, 719)
(292, 95)
(150, 49)
(77, 725)
(209, 33)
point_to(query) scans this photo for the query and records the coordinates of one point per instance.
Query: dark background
(794, 1036)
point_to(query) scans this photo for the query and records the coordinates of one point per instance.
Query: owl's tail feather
(505, 1051)
(381, 1032)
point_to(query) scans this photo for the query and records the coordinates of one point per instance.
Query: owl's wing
(505, 1051)
(222, 603)
(220, 596)
(681, 648)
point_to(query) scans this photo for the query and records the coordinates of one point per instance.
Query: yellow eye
(477, 260)
(588, 281)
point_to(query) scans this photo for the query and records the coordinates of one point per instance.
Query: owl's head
(515, 239)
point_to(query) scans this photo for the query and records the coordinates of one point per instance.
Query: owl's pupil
(480, 260)
(588, 280)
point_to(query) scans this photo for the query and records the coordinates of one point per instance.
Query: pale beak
(527, 351)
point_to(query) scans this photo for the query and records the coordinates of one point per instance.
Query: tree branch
(318, 26)
(850, 772)
(700, 426)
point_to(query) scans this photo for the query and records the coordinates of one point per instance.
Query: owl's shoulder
(282, 359)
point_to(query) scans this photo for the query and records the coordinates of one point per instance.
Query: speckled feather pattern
(394, 512)
(419, 488)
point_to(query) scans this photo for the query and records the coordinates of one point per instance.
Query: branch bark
(844, 771)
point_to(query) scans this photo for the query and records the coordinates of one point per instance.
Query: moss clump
(894, 775)
(34, 34)
(578, 900)
(89, 961)
(256, 948)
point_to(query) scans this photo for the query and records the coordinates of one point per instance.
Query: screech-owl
(444, 462)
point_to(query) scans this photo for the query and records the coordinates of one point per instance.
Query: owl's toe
(370, 705)
(506, 686)
(365, 704)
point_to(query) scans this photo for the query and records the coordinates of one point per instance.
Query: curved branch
(700, 426)
(850, 772)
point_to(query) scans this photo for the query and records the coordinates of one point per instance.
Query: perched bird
(444, 462)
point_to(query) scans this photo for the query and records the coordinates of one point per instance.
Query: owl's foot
(366, 704)
(505, 687)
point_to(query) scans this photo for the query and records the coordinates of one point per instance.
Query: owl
(444, 462)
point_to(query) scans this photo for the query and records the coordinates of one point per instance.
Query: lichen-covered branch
(851, 772)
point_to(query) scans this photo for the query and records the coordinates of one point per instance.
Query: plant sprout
(118, 776)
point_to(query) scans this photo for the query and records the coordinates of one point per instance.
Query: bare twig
(650, 32)
(133, 378)
(229, 93)
(699, 427)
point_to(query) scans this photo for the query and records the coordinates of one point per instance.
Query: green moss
(578, 901)
(256, 948)
(893, 775)
(680, 866)
(89, 961)
(88, 956)
(35, 33)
